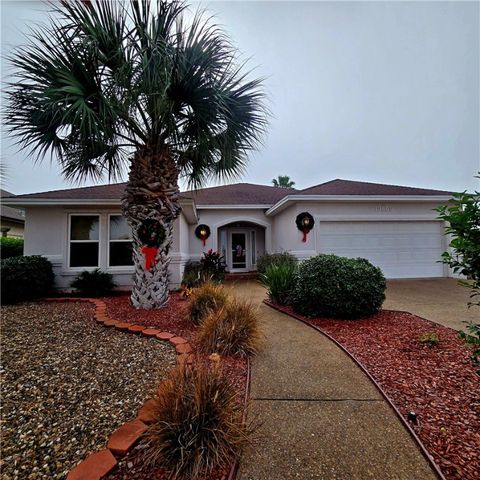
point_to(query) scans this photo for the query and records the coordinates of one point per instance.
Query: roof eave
(289, 199)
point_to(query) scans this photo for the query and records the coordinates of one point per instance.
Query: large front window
(120, 242)
(84, 240)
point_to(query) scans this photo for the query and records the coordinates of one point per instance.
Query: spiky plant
(205, 298)
(110, 84)
(231, 330)
(198, 422)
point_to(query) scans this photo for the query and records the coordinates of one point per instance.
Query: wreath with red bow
(151, 234)
(305, 223)
(202, 232)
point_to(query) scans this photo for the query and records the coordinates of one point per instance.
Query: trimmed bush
(199, 423)
(11, 247)
(279, 279)
(93, 284)
(205, 298)
(338, 287)
(267, 259)
(233, 329)
(25, 278)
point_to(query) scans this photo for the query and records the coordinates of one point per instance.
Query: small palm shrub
(279, 279)
(472, 338)
(267, 259)
(233, 329)
(10, 247)
(339, 287)
(25, 278)
(199, 422)
(93, 284)
(208, 296)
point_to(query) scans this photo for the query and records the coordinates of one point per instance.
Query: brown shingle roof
(349, 187)
(9, 212)
(240, 193)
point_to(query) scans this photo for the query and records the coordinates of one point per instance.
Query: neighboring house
(394, 227)
(12, 220)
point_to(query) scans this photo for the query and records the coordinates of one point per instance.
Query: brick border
(409, 429)
(123, 439)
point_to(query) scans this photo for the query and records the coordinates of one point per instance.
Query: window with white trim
(84, 240)
(120, 242)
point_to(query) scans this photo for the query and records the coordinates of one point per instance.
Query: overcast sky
(376, 91)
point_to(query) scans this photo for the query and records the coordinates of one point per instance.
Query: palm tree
(115, 84)
(283, 181)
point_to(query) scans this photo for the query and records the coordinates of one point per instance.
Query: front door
(238, 247)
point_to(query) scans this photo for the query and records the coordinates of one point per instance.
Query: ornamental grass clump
(204, 299)
(231, 330)
(279, 279)
(198, 424)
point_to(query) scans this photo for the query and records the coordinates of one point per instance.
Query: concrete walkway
(322, 417)
(441, 300)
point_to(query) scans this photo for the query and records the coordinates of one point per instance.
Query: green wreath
(151, 233)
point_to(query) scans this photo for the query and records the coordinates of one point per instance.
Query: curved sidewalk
(322, 417)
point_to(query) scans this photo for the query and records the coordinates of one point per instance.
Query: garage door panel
(400, 249)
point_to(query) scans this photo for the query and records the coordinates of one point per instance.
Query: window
(254, 248)
(84, 240)
(120, 242)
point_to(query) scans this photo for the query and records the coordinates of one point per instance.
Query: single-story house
(395, 227)
(12, 220)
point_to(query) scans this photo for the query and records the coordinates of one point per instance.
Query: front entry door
(238, 251)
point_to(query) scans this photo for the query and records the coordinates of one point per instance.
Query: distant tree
(283, 181)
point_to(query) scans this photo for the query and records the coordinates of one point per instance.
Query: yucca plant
(115, 84)
(205, 298)
(231, 330)
(279, 279)
(198, 422)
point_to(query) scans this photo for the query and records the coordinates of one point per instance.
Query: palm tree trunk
(151, 194)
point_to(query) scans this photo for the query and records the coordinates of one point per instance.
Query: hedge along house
(395, 227)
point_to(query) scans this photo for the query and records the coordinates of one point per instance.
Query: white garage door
(400, 249)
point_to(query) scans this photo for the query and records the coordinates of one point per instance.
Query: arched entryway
(242, 242)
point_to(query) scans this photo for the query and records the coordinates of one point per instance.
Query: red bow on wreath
(150, 253)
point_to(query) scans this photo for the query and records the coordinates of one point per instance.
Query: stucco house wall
(46, 233)
(395, 227)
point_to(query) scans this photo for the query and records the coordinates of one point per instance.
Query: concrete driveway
(440, 299)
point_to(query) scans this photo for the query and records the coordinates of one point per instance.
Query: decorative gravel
(67, 384)
(438, 383)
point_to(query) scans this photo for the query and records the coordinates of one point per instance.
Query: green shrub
(210, 268)
(339, 287)
(268, 259)
(11, 247)
(192, 274)
(233, 329)
(473, 340)
(197, 422)
(279, 279)
(25, 278)
(93, 284)
(213, 266)
(205, 298)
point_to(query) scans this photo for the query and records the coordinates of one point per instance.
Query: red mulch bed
(171, 319)
(439, 383)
